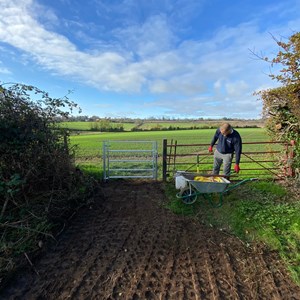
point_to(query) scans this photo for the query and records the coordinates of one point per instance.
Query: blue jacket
(228, 144)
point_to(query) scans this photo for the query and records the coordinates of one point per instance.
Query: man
(229, 142)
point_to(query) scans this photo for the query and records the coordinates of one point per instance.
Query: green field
(89, 147)
(91, 143)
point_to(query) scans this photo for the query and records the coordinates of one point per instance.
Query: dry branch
(28, 229)
(31, 264)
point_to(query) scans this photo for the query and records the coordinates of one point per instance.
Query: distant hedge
(170, 128)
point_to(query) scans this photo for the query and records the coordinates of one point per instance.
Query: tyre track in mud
(129, 247)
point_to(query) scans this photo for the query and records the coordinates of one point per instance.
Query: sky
(147, 58)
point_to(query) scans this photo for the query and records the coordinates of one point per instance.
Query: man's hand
(210, 149)
(236, 168)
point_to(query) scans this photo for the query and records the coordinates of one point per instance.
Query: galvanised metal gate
(130, 159)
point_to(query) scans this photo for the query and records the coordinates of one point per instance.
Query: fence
(268, 160)
(130, 159)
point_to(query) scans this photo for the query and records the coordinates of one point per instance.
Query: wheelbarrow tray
(204, 187)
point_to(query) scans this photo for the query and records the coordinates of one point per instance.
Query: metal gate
(130, 159)
(262, 159)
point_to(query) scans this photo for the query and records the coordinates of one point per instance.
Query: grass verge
(91, 170)
(257, 211)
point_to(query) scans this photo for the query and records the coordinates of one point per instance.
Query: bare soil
(128, 246)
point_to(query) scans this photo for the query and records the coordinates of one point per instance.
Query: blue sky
(146, 58)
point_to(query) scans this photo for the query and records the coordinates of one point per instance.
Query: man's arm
(238, 149)
(215, 138)
(213, 141)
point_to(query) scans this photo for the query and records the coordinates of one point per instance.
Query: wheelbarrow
(192, 185)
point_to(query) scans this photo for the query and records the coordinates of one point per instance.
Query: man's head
(225, 129)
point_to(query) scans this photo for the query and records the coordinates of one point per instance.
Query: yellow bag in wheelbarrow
(208, 179)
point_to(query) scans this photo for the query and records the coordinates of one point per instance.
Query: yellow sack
(208, 179)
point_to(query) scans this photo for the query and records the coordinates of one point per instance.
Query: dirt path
(129, 247)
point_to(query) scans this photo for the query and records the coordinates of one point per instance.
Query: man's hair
(226, 127)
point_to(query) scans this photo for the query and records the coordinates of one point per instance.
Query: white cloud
(152, 37)
(148, 56)
(236, 89)
(104, 105)
(207, 106)
(4, 71)
(56, 53)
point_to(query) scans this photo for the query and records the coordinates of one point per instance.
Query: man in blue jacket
(229, 142)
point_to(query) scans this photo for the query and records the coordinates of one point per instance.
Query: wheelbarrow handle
(240, 183)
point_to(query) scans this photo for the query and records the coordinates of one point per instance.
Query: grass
(92, 143)
(89, 147)
(257, 211)
(177, 206)
(92, 170)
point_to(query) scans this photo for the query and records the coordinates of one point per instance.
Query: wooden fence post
(291, 157)
(164, 160)
(66, 144)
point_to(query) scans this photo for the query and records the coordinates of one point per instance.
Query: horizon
(163, 119)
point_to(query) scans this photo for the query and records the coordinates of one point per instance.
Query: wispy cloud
(4, 71)
(147, 54)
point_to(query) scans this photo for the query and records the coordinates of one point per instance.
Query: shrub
(281, 105)
(39, 183)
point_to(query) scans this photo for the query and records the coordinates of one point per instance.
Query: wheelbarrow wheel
(188, 196)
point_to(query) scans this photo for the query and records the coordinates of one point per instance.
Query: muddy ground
(127, 246)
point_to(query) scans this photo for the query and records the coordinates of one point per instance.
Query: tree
(30, 146)
(281, 106)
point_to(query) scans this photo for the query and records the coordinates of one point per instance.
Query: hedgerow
(281, 105)
(39, 183)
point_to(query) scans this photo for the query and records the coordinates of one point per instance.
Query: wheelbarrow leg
(215, 199)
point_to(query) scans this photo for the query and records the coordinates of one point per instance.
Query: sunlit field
(90, 144)
(89, 147)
